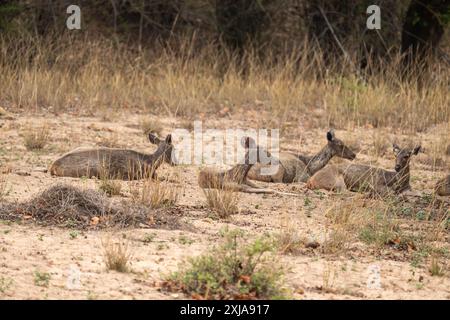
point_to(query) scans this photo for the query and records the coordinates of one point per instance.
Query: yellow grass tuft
(36, 138)
(159, 194)
(116, 255)
(223, 203)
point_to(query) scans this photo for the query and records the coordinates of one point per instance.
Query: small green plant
(307, 202)
(70, 223)
(435, 268)
(109, 186)
(162, 246)
(149, 237)
(185, 240)
(73, 235)
(235, 270)
(5, 284)
(421, 215)
(41, 279)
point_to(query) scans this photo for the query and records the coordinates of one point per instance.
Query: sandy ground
(27, 249)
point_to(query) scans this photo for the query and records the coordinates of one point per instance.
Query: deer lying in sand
(364, 178)
(235, 179)
(114, 163)
(298, 168)
(443, 186)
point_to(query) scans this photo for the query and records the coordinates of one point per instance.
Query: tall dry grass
(94, 75)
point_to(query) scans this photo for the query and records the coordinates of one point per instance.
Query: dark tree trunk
(340, 16)
(423, 29)
(239, 21)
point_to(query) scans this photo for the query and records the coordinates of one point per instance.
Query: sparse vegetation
(157, 194)
(151, 125)
(110, 140)
(5, 284)
(436, 269)
(36, 138)
(71, 207)
(3, 186)
(370, 221)
(289, 240)
(223, 203)
(41, 279)
(234, 270)
(185, 240)
(117, 255)
(110, 186)
(149, 237)
(380, 143)
(73, 235)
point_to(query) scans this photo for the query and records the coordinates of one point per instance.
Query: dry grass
(413, 228)
(36, 138)
(110, 186)
(356, 220)
(3, 186)
(184, 82)
(116, 255)
(435, 268)
(71, 207)
(289, 239)
(110, 140)
(380, 143)
(151, 125)
(222, 202)
(159, 194)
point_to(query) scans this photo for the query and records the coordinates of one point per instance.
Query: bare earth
(26, 248)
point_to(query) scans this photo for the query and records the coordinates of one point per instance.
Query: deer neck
(239, 172)
(153, 161)
(401, 179)
(319, 160)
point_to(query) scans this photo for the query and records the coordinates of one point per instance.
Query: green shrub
(234, 270)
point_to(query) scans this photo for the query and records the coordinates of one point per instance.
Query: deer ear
(395, 148)
(169, 139)
(153, 138)
(416, 150)
(330, 135)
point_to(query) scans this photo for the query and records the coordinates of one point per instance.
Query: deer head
(403, 156)
(165, 148)
(338, 147)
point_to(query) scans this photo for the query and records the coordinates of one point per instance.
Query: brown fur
(234, 179)
(298, 168)
(364, 178)
(113, 163)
